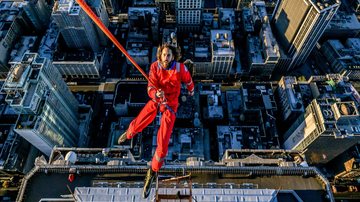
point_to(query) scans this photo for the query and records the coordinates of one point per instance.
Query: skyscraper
(263, 50)
(188, 14)
(299, 25)
(48, 111)
(77, 29)
(223, 52)
(99, 8)
(325, 124)
(11, 28)
(38, 11)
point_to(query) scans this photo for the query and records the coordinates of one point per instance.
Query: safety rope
(107, 32)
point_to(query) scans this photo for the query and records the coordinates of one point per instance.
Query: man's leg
(145, 117)
(163, 138)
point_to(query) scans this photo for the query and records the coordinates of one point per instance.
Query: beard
(165, 64)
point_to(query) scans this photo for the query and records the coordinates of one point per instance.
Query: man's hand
(159, 94)
(191, 93)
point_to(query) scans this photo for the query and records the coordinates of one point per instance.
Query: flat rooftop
(120, 178)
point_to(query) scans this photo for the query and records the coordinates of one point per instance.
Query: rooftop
(49, 41)
(258, 96)
(24, 44)
(101, 181)
(222, 43)
(325, 4)
(227, 18)
(268, 42)
(248, 22)
(332, 86)
(138, 48)
(255, 52)
(342, 20)
(142, 11)
(9, 10)
(6, 6)
(340, 118)
(184, 143)
(68, 6)
(233, 101)
(294, 98)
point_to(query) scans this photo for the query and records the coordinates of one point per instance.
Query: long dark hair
(174, 51)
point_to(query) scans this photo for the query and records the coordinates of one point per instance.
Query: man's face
(166, 57)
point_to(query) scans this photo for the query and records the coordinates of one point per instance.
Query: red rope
(106, 31)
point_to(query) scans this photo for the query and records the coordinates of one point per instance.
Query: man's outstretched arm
(187, 79)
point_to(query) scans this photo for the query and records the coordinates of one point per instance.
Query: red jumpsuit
(169, 80)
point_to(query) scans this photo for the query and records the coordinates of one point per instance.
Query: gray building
(290, 101)
(247, 20)
(199, 54)
(263, 49)
(48, 111)
(212, 93)
(49, 42)
(38, 12)
(144, 19)
(188, 14)
(223, 53)
(167, 9)
(140, 51)
(326, 123)
(343, 25)
(227, 18)
(299, 25)
(11, 29)
(257, 115)
(331, 120)
(77, 29)
(80, 64)
(99, 8)
(343, 57)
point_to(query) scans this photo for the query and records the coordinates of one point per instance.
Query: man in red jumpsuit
(163, 89)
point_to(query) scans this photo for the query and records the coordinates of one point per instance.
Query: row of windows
(77, 69)
(189, 4)
(189, 12)
(188, 22)
(189, 17)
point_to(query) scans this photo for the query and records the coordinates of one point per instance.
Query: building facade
(11, 28)
(300, 24)
(343, 57)
(290, 102)
(38, 12)
(223, 53)
(144, 19)
(81, 64)
(188, 14)
(325, 124)
(263, 49)
(48, 111)
(77, 29)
